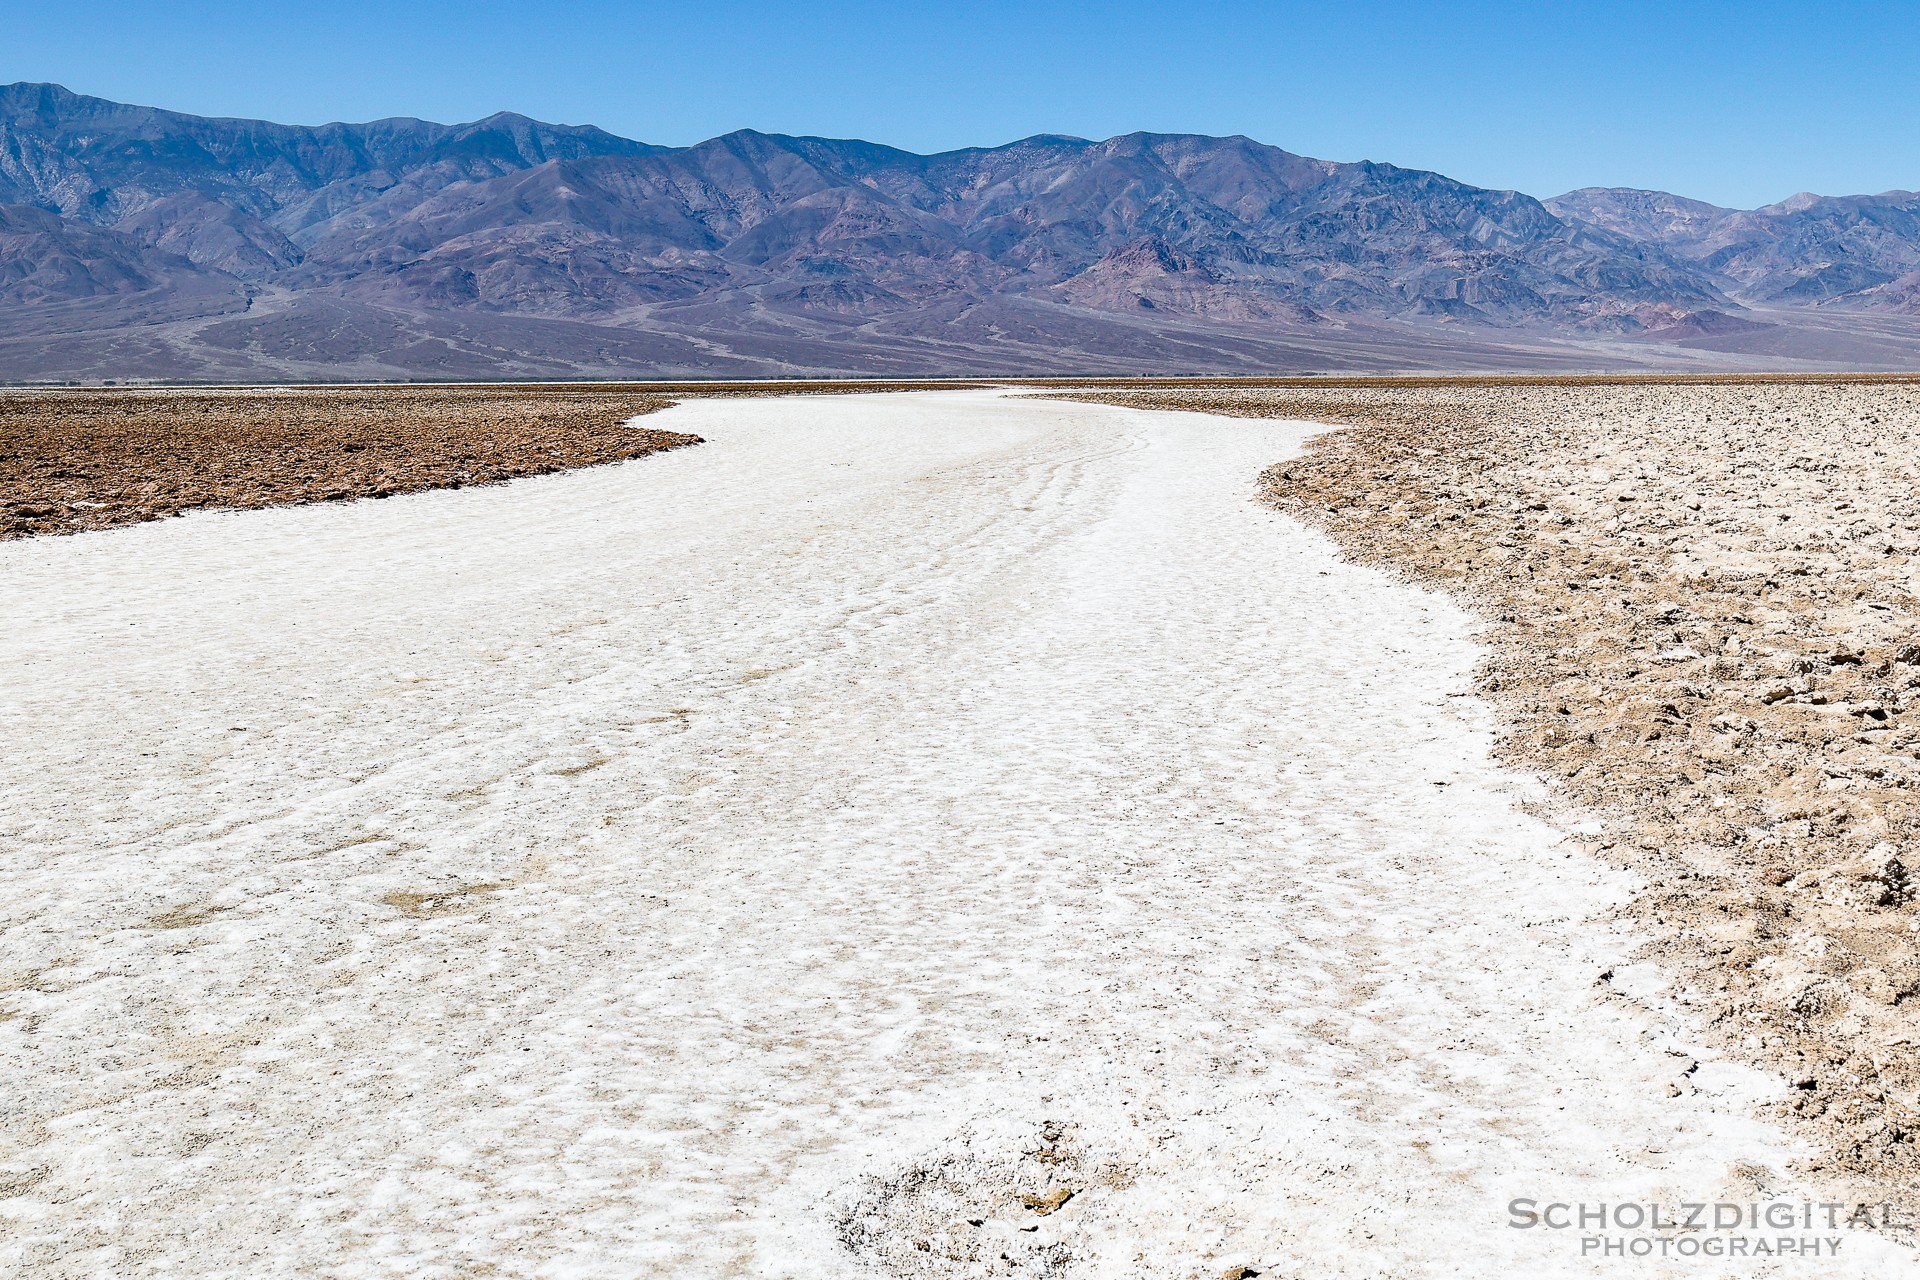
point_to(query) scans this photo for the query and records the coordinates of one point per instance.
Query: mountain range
(137, 243)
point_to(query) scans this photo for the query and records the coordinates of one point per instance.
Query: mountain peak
(779, 243)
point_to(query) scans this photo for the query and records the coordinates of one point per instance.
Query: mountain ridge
(783, 242)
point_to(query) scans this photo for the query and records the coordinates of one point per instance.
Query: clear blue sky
(1736, 103)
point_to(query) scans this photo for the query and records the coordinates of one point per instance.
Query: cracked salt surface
(811, 854)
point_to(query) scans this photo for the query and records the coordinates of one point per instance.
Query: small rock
(1047, 1201)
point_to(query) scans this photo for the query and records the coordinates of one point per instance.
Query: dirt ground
(1702, 606)
(76, 460)
(72, 461)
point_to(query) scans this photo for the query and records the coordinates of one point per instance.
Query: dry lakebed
(1126, 830)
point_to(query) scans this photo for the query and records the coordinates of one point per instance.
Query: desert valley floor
(930, 834)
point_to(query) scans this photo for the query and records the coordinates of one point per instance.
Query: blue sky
(1739, 104)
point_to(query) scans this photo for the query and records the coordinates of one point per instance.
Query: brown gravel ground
(72, 461)
(1702, 611)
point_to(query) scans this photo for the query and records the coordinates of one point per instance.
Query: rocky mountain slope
(1854, 251)
(509, 247)
(47, 258)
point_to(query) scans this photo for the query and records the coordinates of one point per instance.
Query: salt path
(808, 854)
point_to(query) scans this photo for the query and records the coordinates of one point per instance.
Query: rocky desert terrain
(1701, 601)
(77, 460)
(71, 461)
